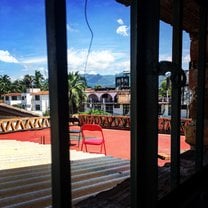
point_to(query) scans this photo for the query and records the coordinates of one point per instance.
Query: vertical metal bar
(200, 88)
(176, 95)
(58, 86)
(144, 102)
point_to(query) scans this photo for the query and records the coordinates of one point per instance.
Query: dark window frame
(37, 108)
(37, 97)
(14, 97)
(144, 63)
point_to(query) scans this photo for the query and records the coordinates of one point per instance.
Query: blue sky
(23, 37)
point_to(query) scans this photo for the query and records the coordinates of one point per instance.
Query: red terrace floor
(117, 142)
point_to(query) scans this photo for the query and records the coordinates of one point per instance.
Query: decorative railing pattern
(164, 125)
(21, 124)
(108, 122)
(123, 122)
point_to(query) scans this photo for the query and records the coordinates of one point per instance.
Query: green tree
(5, 84)
(77, 85)
(45, 85)
(97, 86)
(165, 89)
(18, 86)
(28, 80)
(38, 79)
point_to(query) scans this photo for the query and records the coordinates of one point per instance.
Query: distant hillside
(106, 80)
(103, 80)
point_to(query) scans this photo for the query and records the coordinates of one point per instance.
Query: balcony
(27, 169)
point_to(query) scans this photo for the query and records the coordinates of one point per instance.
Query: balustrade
(123, 122)
(110, 122)
(26, 123)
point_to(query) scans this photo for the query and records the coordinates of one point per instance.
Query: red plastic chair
(92, 134)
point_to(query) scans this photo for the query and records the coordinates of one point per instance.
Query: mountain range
(100, 80)
(105, 80)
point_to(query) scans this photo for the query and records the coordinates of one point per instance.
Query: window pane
(25, 149)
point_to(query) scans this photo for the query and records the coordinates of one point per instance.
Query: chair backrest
(74, 121)
(91, 127)
(92, 134)
(87, 128)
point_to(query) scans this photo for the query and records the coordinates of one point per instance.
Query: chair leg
(104, 148)
(86, 147)
(101, 148)
(79, 140)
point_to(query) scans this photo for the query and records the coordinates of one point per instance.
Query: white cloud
(70, 28)
(185, 61)
(120, 21)
(165, 57)
(31, 64)
(30, 69)
(186, 58)
(122, 30)
(35, 60)
(101, 61)
(76, 57)
(124, 65)
(5, 56)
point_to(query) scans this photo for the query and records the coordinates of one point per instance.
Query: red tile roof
(40, 93)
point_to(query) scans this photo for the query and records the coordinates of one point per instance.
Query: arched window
(107, 98)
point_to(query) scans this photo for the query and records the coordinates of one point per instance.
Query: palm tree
(28, 80)
(77, 85)
(5, 84)
(164, 87)
(45, 85)
(18, 86)
(38, 79)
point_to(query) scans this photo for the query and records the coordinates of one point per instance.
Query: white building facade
(113, 101)
(32, 100)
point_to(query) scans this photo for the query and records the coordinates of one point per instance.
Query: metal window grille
(145, 16)
(58, 86)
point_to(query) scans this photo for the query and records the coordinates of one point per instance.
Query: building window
(37, 107)
(122, 82)
(126, 109)
(7, 98)
(116, 105)
(37, 97)
(109, 108)
(14, 97)
(97, 107)
(106, 98)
